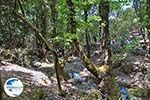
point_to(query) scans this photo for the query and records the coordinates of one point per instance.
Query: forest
(75, 49)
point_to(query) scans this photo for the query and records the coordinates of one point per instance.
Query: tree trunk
(109, 86)
(104, 14)
(53, 18)
(58, 68)
(87, 35)
(71, 27)
(100, 22)
(95, 70)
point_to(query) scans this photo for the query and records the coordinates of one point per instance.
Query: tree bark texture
(104, 30)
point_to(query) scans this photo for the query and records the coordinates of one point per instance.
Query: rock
(77, 77)
(35, 77)
(37, 64)
(75, 66)
(73, 70)
(47, 68)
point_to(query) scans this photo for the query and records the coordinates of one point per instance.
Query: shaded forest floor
(133, 72)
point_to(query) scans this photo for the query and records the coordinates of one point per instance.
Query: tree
(95, 70)
(144, 16)
(71, 27)
(86, 31)
(109, 82)
(58, 69)
(104, 30)
(42, 39)
(53, 18)
(41, 23)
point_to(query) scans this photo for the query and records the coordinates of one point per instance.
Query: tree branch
(21, 7)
